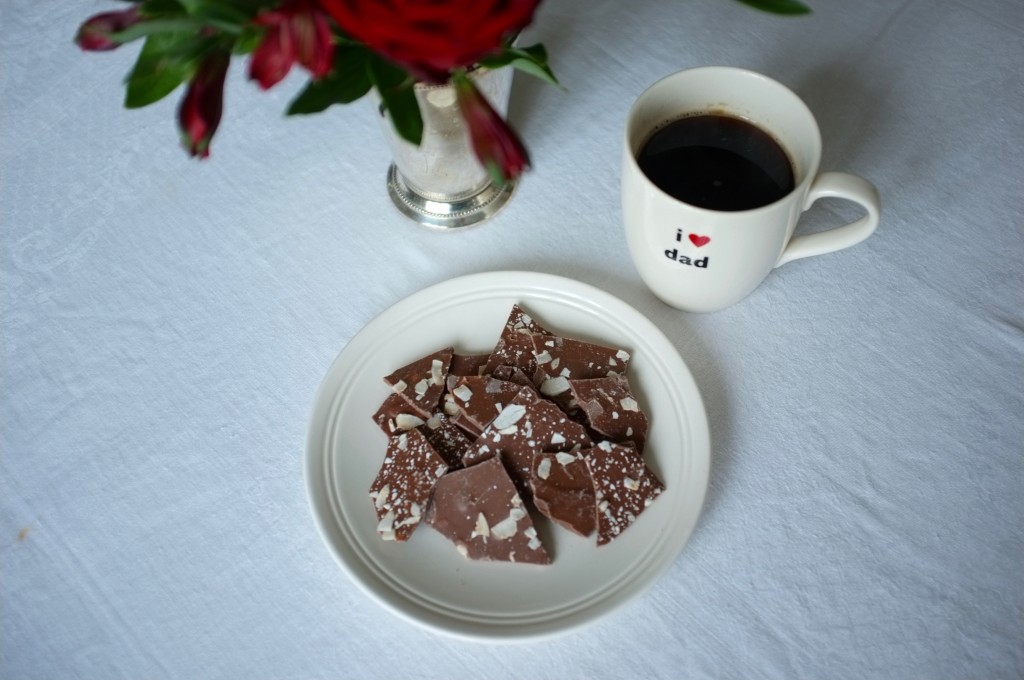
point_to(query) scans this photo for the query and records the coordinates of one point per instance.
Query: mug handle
(836, 185)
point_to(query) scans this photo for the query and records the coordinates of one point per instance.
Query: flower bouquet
(348, 47)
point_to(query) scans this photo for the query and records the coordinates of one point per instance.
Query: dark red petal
(95, 34)
(274, 57)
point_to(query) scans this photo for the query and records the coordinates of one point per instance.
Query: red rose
(431, 38)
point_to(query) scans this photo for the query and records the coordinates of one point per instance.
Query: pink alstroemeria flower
(296, 32)
(495, 144)
(201, 109)
(95, 34)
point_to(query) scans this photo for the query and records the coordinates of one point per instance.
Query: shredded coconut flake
(509, 416)
(553, 386)
(564, 458)
(506, 528)
(407, 421)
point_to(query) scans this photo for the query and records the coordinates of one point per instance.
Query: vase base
(460, 213)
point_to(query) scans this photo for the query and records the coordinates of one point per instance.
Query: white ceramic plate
(424, 579)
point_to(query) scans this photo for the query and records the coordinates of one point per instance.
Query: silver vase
(440, 183)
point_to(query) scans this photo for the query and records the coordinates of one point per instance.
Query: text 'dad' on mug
(718, 165)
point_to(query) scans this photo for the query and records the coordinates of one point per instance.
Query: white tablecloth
(166, 324)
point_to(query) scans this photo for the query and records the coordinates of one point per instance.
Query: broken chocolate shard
(468, 364)
(623, 487)
(421, 383)
(610, 409)
(481, 512)
(528, 425)
(563, 491)
(512, 374)
(396, 415)
(447, 439)
(514, 347)
(474, 401)
(402, 488)
(560, 360)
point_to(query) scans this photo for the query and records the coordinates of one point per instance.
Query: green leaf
(348, 81)
(143, 29)
(223, 17)
(396, 90)
(790, 7)
(249, 39)
(532, 60)
(162, 65)
(161, 8)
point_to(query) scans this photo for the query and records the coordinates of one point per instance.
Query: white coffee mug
(703, 260)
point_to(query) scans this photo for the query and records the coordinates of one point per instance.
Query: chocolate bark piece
(402, 488)
(468, 364)
(474, 401)
(514, 347)
(623, 487)
(610, 409)
(480, 511)
(563, 491)
(560, 360)
(421, 382)
(512, 374)
(447, 439)
(396, 415)
(528, 425)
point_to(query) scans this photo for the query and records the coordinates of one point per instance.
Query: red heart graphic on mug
(699, 240)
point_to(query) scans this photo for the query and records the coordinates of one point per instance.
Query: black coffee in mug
(717, 162)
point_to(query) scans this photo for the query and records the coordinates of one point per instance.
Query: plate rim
(316, 463)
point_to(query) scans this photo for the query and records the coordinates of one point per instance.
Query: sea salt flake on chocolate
(623, 487)
(479, 509)
(427, 376)
(563, 491)
(404, 483)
